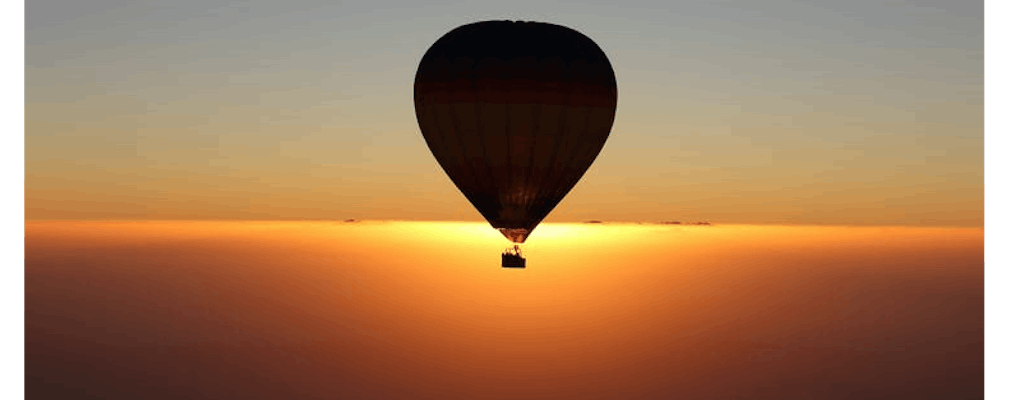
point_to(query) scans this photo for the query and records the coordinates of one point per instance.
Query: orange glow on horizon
(422, 309)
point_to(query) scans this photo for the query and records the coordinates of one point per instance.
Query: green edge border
(1004, 327)
(12, 201)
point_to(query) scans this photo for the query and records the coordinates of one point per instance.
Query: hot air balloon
(515, 112)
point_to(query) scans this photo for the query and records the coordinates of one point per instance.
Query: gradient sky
(832, 112)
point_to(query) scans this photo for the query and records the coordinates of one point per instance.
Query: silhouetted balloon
(515, 113)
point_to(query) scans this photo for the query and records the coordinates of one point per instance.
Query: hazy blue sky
(743, 111)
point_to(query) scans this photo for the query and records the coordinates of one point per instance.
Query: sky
(826, 112)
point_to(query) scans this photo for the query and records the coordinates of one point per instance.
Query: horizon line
(694, 222)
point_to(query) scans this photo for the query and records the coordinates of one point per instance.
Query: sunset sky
(825, 112)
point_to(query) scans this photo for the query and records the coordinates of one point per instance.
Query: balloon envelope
(515, 113)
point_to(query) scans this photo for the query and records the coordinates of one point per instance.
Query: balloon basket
(513, 258)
